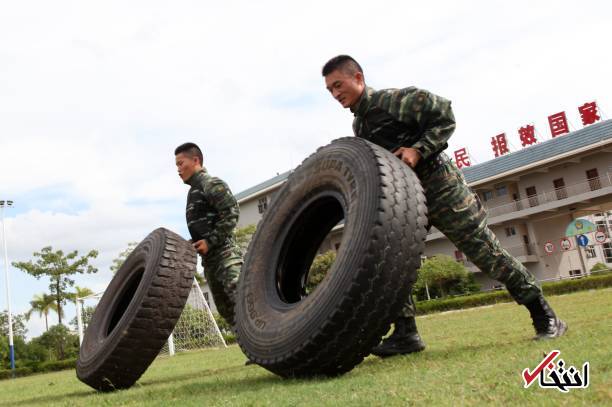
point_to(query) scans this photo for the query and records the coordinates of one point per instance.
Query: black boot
(405, 339)
(545, 322)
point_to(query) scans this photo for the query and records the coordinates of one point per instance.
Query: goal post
(196, 328)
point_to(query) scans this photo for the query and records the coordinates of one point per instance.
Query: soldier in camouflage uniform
(415, 125)
(212, 215)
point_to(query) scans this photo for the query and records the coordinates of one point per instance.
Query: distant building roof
(260, 187)
(524, 157)
(539, 152)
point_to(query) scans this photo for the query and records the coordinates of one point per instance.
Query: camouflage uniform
(412, 117)
(212, 215)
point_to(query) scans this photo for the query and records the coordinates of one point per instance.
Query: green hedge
(19, 372)
(55, 365)
(50, 366)
(475, 300)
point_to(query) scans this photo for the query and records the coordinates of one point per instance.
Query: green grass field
(474, 357)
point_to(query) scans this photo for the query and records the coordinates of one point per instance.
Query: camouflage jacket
(408, 117)
(212, 211)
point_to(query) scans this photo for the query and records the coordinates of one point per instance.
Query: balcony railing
(557, 194)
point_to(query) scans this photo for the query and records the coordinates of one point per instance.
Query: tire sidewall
(261, 312)
(97, 343)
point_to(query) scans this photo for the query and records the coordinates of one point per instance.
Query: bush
(19, 372)
(319, 268)
(229, 338)
(475, 300)
(442, 276)
(223, 325)
(60, 342)
(51, 366)
(56, 365)
(598, 267)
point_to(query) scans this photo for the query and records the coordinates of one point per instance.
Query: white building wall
(249, 214)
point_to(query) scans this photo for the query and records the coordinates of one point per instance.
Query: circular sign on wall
(549, 247)
(566, 244)
(582, 240)
(600, 237)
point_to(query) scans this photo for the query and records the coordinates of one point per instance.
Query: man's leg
(456, 211)
(405, 337)
(222, 278)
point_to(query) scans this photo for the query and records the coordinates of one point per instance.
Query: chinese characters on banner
(588, 113)
(527, 135)
(558, 125)
(462, 159)
(500, 146)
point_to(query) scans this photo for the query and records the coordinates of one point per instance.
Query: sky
(95, 96)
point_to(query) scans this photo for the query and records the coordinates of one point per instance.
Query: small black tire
(137, 312)
(331, 329)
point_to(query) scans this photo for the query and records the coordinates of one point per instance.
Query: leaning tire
(137, 312)
(332, 329)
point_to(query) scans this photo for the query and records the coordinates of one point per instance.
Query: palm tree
(80, 292)
(42, 303)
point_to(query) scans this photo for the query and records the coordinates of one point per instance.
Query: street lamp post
(7, 204)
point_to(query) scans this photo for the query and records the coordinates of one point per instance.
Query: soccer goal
(195, 329)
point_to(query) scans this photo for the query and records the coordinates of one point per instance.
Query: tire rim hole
(125, 298)
(296, 278)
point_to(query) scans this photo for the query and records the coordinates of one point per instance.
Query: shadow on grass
(438, 355)
(50, 399)
(194, 386)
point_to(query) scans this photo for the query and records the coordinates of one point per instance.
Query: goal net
(195, 329)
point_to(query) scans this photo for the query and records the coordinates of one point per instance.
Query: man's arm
(432, 113)
(220, 197)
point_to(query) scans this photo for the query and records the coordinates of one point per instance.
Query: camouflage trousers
(222, 270)
(456, 211)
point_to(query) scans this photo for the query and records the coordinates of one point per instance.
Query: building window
(206, 298)
(487, 195)
(593, 178)
(575, 273)
(590, 252)
(560, 190)
(501, 190)
(607, 249)
(459, 256)
(510, 231)
(262, 204)
(337, 246)
(532, 196)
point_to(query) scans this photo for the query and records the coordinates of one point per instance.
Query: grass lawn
(473, 357)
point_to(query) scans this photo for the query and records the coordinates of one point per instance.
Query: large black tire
(137, 312)
(331, 330)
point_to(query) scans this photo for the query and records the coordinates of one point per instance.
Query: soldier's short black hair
(191, 150)
(344, 62)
